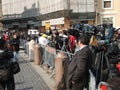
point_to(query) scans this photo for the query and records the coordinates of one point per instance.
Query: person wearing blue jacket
(111, 32)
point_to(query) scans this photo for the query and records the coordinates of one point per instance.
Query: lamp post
(96, 16)
(78, 11)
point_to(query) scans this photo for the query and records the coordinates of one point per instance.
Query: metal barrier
(118, 42)
(92, 82)
(49, 54)
(69, 55)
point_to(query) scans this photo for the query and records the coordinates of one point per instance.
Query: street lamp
(96, 16)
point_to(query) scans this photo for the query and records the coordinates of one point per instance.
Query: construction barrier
(37, 54)
(61, 64)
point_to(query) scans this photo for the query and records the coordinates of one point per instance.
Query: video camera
(89, 29)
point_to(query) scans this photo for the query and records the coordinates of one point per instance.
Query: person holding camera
(110, 32)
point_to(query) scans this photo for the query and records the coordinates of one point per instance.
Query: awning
(8, 26)
(83, 16)
(57, 14)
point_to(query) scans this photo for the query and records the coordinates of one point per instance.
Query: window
(107, 4)
(84, 22)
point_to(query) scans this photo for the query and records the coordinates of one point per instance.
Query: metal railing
(48, 57)
(49, 54)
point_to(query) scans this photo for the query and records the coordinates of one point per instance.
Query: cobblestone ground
(28, 78)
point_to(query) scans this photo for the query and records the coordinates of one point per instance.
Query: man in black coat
(5, 62)
(15, 43)
(78, 69)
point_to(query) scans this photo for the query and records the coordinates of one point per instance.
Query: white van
(33, 31)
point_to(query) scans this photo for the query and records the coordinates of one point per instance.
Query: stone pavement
(31, 76)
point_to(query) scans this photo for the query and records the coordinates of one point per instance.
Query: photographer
(110, 32)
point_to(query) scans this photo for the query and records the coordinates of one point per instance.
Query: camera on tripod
(89, 29)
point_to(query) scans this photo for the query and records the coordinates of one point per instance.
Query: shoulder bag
(15, 67)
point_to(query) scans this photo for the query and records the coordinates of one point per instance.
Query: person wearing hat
(43, 40)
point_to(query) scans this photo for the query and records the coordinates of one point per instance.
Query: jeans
(15, 56)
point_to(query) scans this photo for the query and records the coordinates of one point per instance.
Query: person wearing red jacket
(72, 42)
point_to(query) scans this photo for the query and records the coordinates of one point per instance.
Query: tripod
(64, 48)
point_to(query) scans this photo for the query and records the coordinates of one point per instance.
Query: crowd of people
(75, 41)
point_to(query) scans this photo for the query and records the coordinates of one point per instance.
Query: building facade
(44, 14)
(20, 14)
(108, 12)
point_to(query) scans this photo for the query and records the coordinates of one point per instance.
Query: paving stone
(28, 78)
